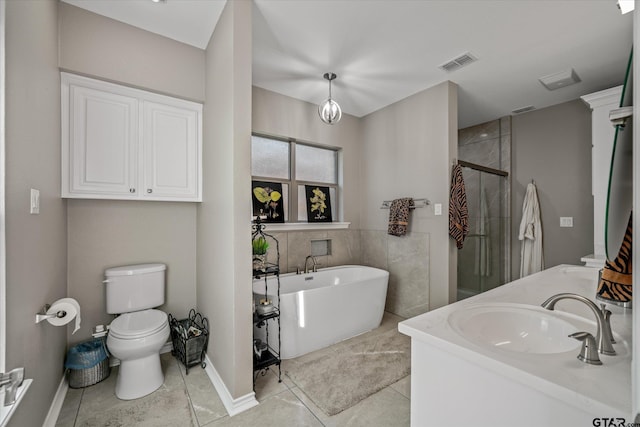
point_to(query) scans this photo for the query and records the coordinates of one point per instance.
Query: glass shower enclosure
(484, 260)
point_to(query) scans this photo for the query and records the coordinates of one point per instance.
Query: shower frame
(481, 168)
(506, 226)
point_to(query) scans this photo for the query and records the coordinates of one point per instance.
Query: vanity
(500, 359)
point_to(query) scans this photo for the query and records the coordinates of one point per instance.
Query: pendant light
(329, 110)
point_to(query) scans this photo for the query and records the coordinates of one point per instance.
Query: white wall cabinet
(128, 144)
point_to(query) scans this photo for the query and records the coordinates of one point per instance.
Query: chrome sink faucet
(604, 336)
(314, 267)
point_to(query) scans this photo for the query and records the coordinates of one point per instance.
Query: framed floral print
(267, 201)
(318, 203)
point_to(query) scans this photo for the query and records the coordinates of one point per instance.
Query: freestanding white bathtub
(320, 309)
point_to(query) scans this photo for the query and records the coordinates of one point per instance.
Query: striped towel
(617, 279)
(458, 211)
(399, 216)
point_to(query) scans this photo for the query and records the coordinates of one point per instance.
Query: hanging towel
(617, 278)
(399, 216)
(458, 211)
(531, 259)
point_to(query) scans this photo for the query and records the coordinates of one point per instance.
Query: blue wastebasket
(88, 363)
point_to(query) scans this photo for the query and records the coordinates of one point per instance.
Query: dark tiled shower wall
(487, 144)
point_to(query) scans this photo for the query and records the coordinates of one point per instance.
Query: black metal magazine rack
(265, 354)
(190, 338)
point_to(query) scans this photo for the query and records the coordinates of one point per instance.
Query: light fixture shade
(329, 110)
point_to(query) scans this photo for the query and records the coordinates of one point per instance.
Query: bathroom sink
(516, 328)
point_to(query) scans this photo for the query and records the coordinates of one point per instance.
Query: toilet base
(139, 377)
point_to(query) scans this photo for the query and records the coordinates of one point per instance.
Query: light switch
(35, 202)
(437, 209)
(566, 221)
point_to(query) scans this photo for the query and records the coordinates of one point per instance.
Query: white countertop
(604, 389)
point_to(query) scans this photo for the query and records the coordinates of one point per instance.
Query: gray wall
(405, 149)
(98, 46)
(107, 233)
(36, 244)
(279, 115)
(553, 147)
(223, 218)
(410, 146)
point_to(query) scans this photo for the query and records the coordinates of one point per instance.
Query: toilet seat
(138, 324)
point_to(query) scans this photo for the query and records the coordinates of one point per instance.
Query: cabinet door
(102, 143)
(172, 144)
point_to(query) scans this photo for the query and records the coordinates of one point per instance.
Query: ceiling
(386, 50)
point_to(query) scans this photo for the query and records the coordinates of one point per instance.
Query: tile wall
(406, 258)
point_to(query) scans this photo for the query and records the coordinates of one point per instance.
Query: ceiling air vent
(561, 79)
(459, 62)
(523, 109)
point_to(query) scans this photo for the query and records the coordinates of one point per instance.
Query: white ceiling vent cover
(561, 79)
(459, 62)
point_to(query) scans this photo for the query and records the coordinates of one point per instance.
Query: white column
(602, 135)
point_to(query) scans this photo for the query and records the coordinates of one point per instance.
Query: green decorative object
(260, 246)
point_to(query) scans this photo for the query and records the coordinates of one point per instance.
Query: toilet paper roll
(70, 307)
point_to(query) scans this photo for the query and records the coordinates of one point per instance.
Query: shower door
(483, 261)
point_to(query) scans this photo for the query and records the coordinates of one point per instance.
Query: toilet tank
(134, 287)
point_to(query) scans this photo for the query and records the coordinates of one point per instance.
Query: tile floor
(191, 401)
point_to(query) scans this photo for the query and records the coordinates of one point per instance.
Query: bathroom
(75, 240)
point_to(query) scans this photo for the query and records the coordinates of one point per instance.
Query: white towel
(531, 258)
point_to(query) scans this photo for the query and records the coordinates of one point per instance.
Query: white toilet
(137, 335)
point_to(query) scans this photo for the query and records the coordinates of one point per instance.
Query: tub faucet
(11, 381)
(314, 267)
(604, 336)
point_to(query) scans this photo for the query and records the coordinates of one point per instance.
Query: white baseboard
(233, 406)
(56, 404)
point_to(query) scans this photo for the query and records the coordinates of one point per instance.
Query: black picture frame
(263, 194)
(318, 203)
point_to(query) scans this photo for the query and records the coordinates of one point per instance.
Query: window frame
(292, 183)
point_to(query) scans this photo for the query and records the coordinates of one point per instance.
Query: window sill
(307, 226)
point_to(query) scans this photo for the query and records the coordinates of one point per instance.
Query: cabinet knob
(149, 190)
(132, 190)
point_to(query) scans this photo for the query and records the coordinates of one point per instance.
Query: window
(294, 165)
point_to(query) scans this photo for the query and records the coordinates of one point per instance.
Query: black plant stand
(269, 357)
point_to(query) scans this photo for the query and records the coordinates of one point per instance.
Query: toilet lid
(138, 324)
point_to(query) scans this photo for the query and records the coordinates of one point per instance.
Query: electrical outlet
(437, 209)
(566, 221)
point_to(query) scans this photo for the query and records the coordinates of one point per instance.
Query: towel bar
(417, 203)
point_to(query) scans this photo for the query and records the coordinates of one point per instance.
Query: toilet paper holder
(44, 316)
